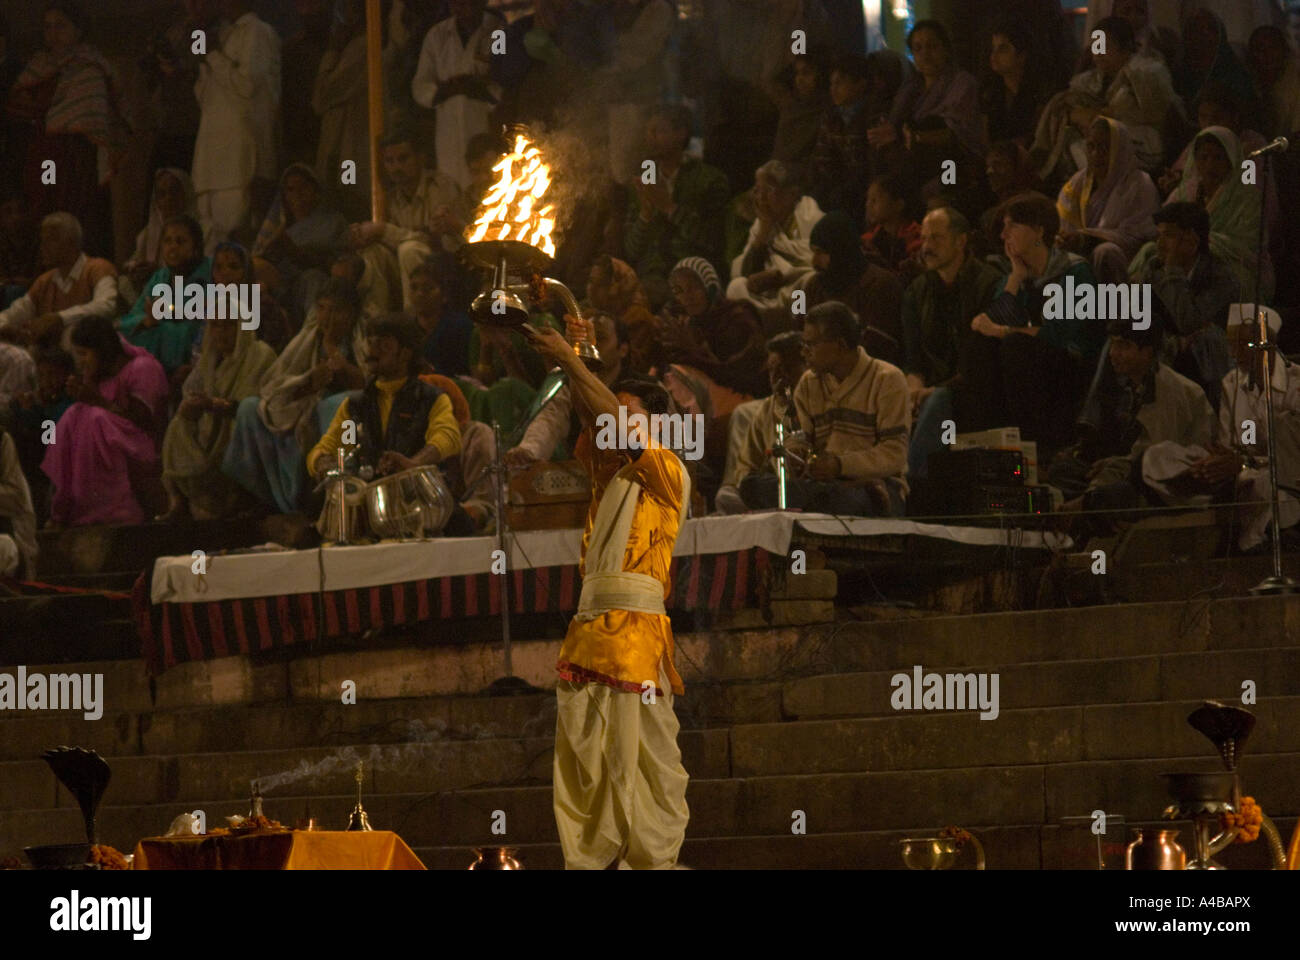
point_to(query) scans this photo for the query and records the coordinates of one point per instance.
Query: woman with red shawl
(69, 95)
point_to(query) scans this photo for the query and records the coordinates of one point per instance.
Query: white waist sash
(602, 592)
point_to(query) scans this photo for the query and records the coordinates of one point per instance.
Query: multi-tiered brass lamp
(513, 232)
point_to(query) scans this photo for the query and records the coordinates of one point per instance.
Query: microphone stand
(1277, 583)
(509, 684)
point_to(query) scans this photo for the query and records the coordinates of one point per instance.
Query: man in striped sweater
(855, 410)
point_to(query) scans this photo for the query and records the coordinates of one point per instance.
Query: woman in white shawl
(230, 368)
(173, 195)
(1106, 208)
(1213, 179)
(299, 395)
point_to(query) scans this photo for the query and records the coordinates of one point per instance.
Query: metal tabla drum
(354, 508)
(411, 504)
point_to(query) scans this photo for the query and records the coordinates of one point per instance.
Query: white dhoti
(1165, 461)
(620, 787)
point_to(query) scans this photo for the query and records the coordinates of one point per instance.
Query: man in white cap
(1191, 476)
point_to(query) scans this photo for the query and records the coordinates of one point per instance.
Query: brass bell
(357, 819)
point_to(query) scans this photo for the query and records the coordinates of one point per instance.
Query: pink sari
(95, 451)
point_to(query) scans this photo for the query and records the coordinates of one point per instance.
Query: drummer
(398, 421)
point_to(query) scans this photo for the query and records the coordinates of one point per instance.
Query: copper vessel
(1155, 849)
(495, 858)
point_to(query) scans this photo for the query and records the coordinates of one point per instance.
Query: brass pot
(1155, 849)
(928, 853)
(495, 858)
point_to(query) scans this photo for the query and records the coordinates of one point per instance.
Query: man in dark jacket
(937, 310)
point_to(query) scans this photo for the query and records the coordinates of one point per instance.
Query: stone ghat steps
(1056, 738)
(1101, 693)
(1026, 640)
(1023, 847)
(740, 822)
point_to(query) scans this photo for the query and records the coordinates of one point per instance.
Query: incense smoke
(419, 734)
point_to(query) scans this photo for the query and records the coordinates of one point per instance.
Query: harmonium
(548, 495)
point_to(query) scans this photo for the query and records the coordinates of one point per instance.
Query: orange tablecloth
(286, 850)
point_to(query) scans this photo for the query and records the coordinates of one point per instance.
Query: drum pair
(410, 505)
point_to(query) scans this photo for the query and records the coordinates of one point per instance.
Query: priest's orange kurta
(623, 648)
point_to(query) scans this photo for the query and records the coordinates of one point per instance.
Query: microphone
(1280, 145)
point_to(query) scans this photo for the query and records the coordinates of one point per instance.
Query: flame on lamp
(509, 210)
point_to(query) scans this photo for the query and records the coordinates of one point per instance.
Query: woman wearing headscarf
(1130, 87)
(300, 238)
(1213, 179)
(711, 356)
(1208, 57)
(172, 337)
(1106, 207)
(109, 436)
(232, 263)
(1277, 78)
(300, 393)
(935, 115)
(844, 274)
(230, 368)
(173, 195)
(70, 96)
(703, 333)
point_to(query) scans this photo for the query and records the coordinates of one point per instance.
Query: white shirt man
(1243, 427)
(73, 287)
(239, 105)
(102, 303)
(444, 57)
(785, 259)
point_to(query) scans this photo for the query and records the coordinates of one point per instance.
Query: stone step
(1096, 633)
(1224, 577)
(95, 549)
(141, 732)
(1014, 847)
(118, 581)
(88, 626)
(1045, 635)
(418, 753)
(895, 804)
(916, 740)
(390, 768)
(1178, 676)
(1028, 847)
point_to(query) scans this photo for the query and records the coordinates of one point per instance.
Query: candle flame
(510, 209)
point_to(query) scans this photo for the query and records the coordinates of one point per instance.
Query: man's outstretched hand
(550, 343)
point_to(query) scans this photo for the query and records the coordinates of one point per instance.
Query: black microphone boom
(1280, 145)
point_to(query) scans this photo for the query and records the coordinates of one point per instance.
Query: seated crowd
(856, 291)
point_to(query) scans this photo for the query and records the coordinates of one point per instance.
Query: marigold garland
(107, 858)
(1249, 818)
(956, 834)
